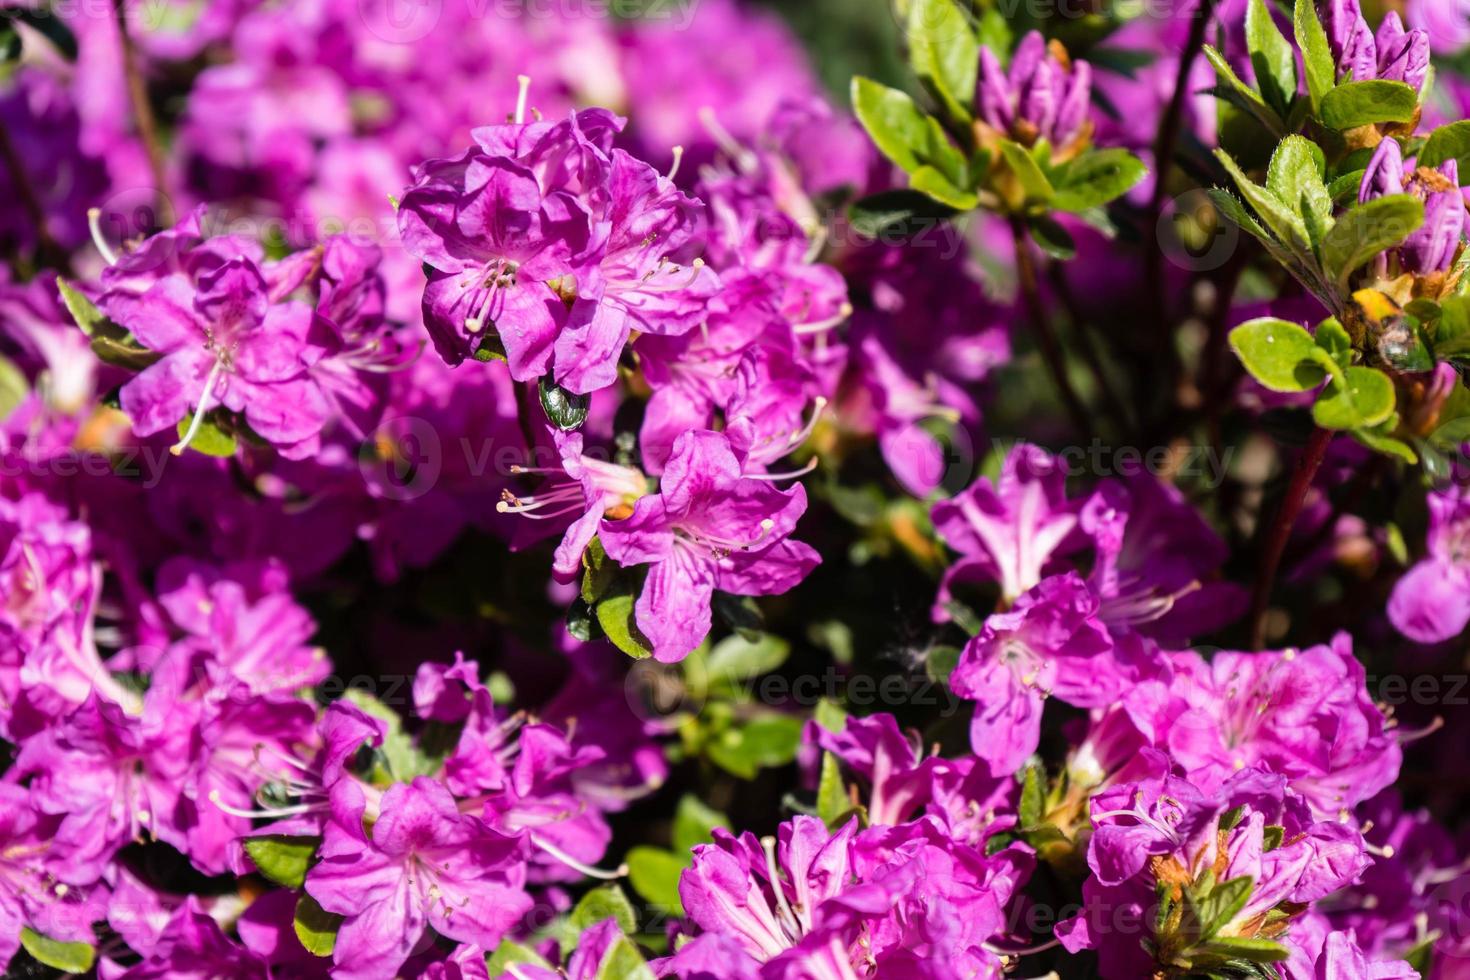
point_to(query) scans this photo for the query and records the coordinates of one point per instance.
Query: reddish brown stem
(1280, 532)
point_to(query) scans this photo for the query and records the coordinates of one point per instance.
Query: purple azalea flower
(1155, 562)
(243, 743)
(1008, 531)
(1160, 836)
(498, 250)
(1304, 714)
(1049, 644)
(709, 527)
(1393, 54)
(48, 661)
(29, 892)
(734, 888)
(584, 485)
(244, 629)
(193, 944)
(1434, 245)
(111, 777)
(1431, 602)
(425, 863)
(646, 280)
(1044, 95)
(224, 342)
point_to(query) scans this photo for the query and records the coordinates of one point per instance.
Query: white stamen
(94, 216)
(524, 81)
(199, 410)
(573, 863)
(744, 159)
(821, 326)
(769, 845)
(674, 168)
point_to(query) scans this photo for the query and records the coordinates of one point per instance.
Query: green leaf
(66, 957)
(898, 127)
(896, 216)
(1295, 176)
(581, 621)
(1450, 142)
(1334, 339)
(599, 572)
(1278, 354)
(1281, 218)
(282, 858)
(930, 181)
(1367, 229)
(1272, 836)
(1032, 809)
(830, 715)
(941, 662)
(1036, 189)
(1363, 399)
(695, 822)
(654, 874)
(315, 926)
(1320, 67)
(615, 616)
(1096, 178)
(1386, 444)
(1053, 239)
(1241, 948)
(1354, 104)
(111, 342)
(832, 799)
(211, 439)
(622, 961)
(13, 387)
(1222, 904)
(1452, 330)
(82, 310)
(1237, 93)
(601, 903)
(1272, 57)
(510, 953)
(565, 409)
(763, 743)
(945, 53)
(735, 659)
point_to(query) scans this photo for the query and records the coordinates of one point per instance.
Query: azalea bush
(841, 490)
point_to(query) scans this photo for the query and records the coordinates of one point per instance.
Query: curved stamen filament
(822, 326)
(200, 409)
(620, 872)
(94, 225)
(523, 83)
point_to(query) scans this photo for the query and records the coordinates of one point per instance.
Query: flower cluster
(533, 491)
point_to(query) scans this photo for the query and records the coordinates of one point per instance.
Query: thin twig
(1090, 352)
(1163, 149)
(1280, 532)
(143, 116)
(1046, 338)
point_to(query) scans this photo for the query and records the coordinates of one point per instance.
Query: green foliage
(111, 342)
(1375, 100)
(282, 858)
(1278, 354)
(66, 957)
(315, 926)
